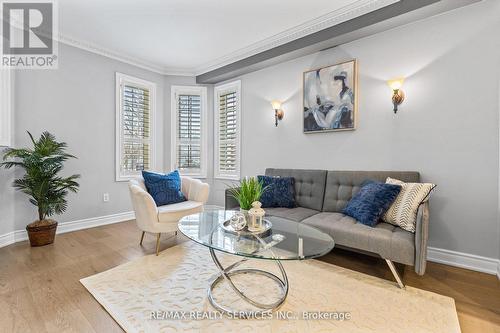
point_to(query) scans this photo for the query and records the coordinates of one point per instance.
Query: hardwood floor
(40, 289)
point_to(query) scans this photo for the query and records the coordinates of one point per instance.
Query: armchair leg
(158, 244)
(395, 273)
(142, 237)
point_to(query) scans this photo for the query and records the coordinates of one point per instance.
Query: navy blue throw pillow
(165, 189)
(371, 202)
(280, 191)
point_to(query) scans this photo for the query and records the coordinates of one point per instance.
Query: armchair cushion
(174, 212)
(165, 189)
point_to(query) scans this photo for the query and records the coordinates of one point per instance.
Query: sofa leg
(142, 237)
(158, 244)
(395, 273)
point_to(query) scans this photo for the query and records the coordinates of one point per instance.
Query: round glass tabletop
(286, 240)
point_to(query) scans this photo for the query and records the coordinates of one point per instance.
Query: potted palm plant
(250, 190)
(45, 188)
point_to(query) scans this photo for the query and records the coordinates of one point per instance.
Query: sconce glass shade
(396, 84)
(276, 105)
(398, 95)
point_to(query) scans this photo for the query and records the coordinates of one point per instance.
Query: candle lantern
(256, 217)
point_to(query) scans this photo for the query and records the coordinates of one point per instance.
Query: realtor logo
(28, 29)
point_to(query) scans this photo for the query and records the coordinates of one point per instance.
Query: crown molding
(328, 20)
(106, 52)
(353, 10)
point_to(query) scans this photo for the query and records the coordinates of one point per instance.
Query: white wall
(447, 128)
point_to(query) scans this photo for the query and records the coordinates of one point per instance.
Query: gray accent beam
(399, 13)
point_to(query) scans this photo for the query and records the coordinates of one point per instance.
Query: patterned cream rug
(168, 293)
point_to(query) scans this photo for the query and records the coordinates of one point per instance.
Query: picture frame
(329, 98)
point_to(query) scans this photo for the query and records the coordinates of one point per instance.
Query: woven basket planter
(42, 233)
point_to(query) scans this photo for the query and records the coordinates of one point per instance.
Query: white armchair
(158, 220)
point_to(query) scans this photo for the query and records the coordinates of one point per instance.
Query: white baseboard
(7, 239)
(63, 227)
(21, 235)
(464, 260)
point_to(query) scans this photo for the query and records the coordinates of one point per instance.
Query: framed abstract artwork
(330, 98)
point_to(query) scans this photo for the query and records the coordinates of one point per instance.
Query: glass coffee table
(286, 240)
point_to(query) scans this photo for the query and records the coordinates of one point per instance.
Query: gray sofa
(321, 195)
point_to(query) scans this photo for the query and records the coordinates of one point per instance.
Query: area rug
(168, 293)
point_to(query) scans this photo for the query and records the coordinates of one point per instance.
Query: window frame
(6, 87)
(121, 80)
(194, 90)
(230, 86)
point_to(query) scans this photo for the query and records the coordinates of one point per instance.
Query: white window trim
(231, 86)
(6, 108)
(121, 79)
(202, 91)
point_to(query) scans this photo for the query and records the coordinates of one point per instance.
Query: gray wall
(447, 128)
(6, 202)
(77, 104)
(7, 192)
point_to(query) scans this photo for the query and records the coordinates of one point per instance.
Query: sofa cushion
(387, 240)
(403, 212)
(174, 212)
(278, 191)
(309, 185)
(371, 202)
(295, 214)
(342, 185)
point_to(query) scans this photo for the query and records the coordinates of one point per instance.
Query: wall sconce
(398, 95)
(278, 113)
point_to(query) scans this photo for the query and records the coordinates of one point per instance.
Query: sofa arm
(230, 202)
(421, 237)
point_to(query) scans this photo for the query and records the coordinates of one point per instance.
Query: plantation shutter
(189, 145)
(136, 129)
(227, 133)
(227, 108)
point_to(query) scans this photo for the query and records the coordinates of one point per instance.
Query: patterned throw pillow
(280, 191)
(403, 212)
(372, 200)
(165, 189)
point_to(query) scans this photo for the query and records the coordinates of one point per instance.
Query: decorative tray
(266, 228)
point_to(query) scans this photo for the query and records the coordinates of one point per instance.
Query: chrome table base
(230, 271)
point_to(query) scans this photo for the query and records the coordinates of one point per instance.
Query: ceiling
(190, 37)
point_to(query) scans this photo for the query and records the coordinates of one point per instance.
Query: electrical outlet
(105, 197)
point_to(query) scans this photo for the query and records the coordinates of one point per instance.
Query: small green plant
(250, 190)
(41, 181)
